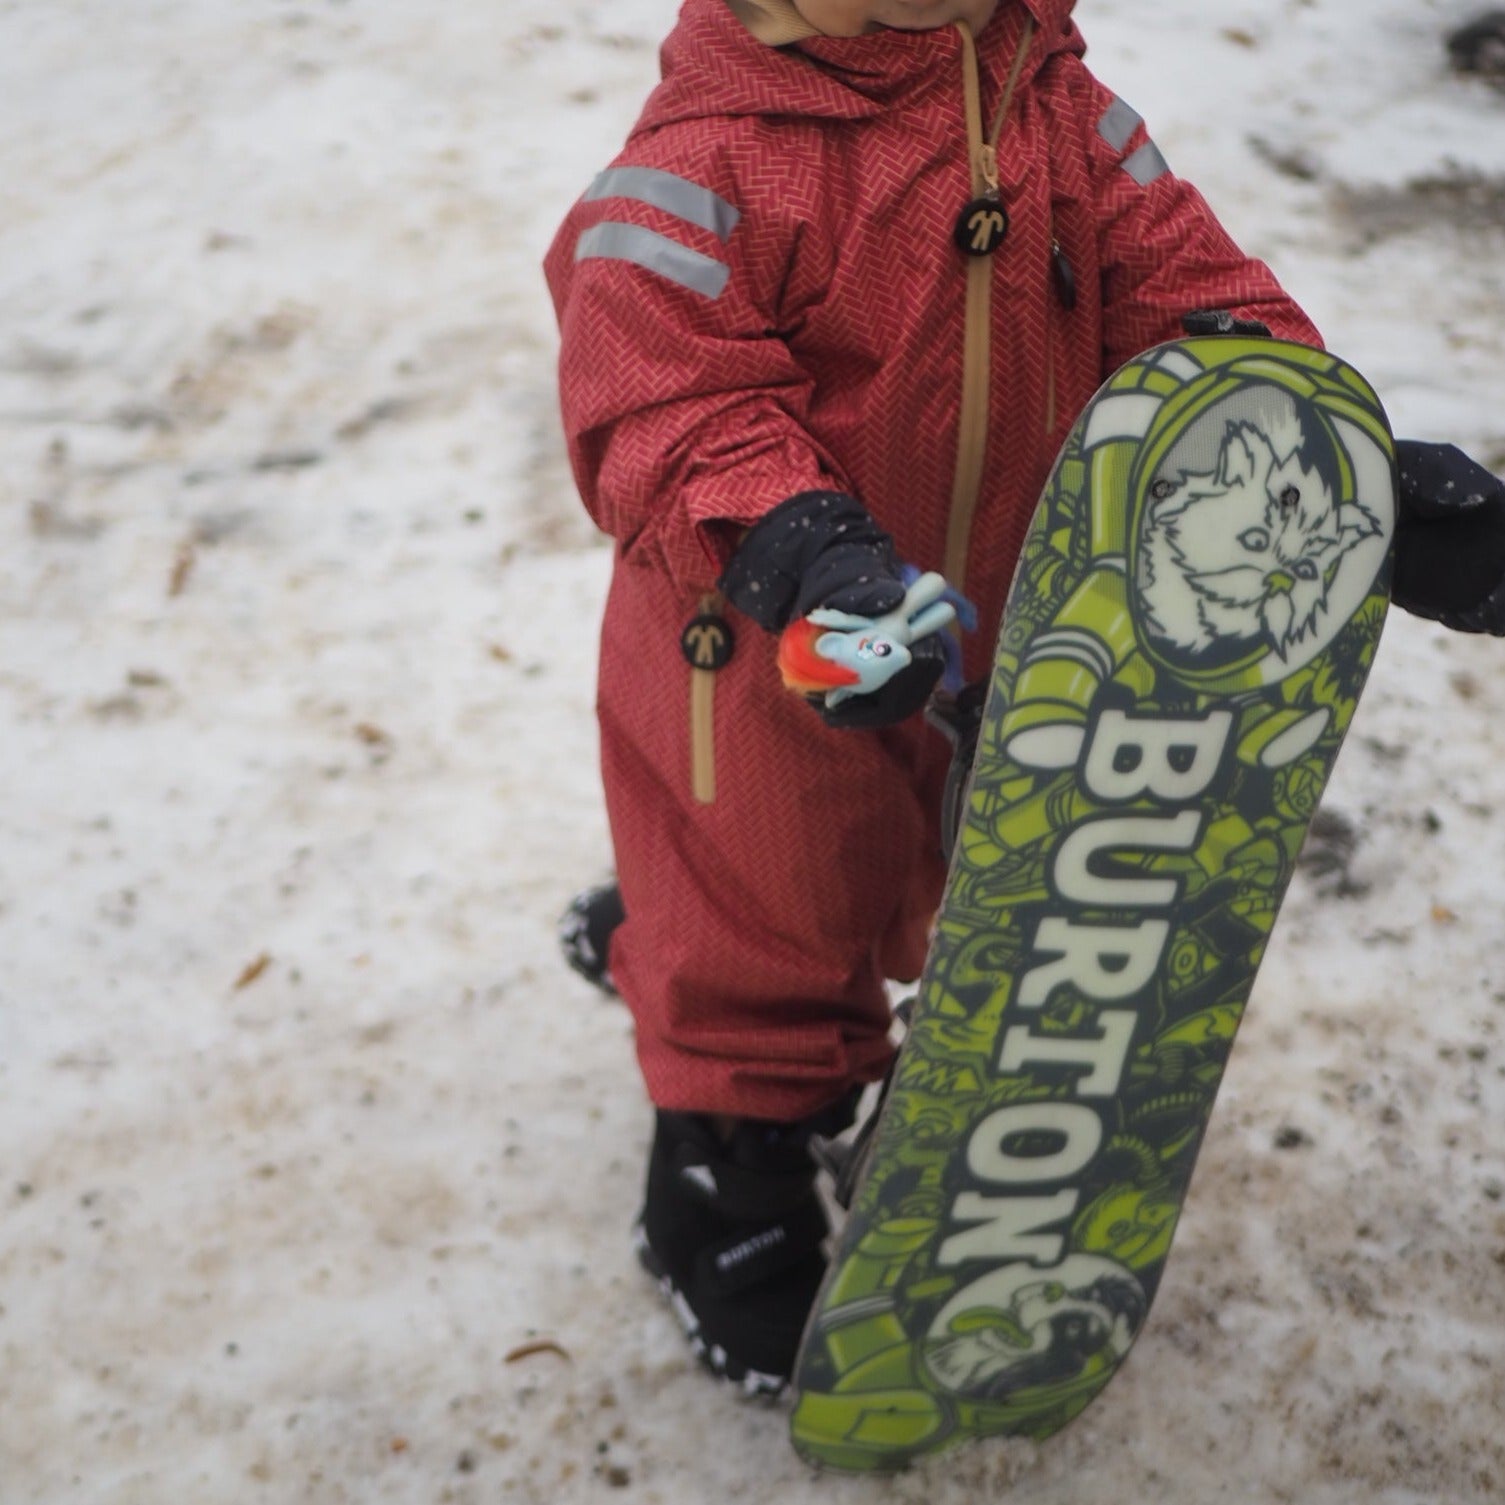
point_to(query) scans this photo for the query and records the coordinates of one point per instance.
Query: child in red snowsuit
(833, 309)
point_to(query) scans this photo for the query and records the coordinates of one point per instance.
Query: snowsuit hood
(748, 45)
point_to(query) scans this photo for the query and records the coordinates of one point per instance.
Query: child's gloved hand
(822, 551)
(820, 548)
(1450, 539)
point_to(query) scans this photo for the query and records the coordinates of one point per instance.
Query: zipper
(707, 645)
(977, 350)
(703, 736)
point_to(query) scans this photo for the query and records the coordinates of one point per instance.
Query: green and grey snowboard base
(1197, 606)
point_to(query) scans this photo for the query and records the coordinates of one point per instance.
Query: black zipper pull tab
(982, 226)
(1064, 277)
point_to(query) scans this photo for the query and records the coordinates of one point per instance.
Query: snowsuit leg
(760, 928)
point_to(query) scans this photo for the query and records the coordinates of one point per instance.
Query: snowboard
(1197, 605)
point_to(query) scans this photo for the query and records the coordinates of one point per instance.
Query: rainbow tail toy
(839, 654)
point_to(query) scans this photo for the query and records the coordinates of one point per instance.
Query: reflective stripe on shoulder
(1145, 165)
(1117, 127)
(1120, 121)
(646, 248)
(674, 195)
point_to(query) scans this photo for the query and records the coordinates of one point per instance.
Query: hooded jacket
(762, 294)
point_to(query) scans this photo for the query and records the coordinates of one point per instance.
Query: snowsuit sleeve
(683, 405)
(1162, 251)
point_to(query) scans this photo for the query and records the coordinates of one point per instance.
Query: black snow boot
(732, 1229)
(585, 931)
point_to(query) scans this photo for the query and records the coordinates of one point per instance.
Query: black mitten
(820, 548)
(1450, 539)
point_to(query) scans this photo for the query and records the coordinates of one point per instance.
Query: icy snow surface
(317, 1168)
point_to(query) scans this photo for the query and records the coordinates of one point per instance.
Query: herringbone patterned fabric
(708, 374)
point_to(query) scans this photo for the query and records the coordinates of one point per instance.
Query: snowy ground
(316, 1167)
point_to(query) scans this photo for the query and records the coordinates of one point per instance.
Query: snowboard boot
(732, 1229)
(585, 931)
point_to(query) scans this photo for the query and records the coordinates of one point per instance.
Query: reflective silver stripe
(1118, 124)
(677, 196)
(647, 248)
(1145, 165)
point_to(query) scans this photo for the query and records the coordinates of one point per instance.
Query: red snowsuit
(762, 296)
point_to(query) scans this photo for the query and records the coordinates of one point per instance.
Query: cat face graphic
(1248, 551)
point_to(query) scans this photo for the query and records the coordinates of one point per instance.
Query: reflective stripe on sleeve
(646, 248)
(674, 195)
(1119, 122)
(1145, 165)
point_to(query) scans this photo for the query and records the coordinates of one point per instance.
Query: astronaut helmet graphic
(1264, 520)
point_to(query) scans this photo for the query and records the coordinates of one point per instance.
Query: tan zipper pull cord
(972, 428)
(985, 178)
(982, 160)
(1026, 36)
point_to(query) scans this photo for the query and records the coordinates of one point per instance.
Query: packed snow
(318, 1167)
